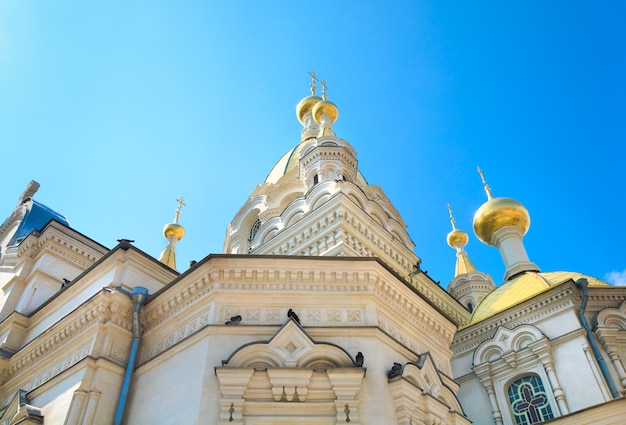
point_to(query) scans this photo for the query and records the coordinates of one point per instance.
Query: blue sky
(118, 108)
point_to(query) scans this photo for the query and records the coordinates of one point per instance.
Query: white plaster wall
(577, 375)
(180, 385)
(556, 325)
(171, 392)
(54, 399)
(462, 364)
(475, 402)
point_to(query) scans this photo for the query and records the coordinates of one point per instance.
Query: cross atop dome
(172, 232)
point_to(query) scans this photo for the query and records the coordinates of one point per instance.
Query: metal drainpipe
(138, 296)
(582, 284)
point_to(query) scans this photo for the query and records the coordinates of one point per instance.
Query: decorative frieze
(104, 310)
(173, 338)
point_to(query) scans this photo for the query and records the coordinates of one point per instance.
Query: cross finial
(324, 88)
(180, 205)
(451, 218)
(313, 80)
(487, 188)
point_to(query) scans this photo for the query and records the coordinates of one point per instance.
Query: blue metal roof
(35, 219)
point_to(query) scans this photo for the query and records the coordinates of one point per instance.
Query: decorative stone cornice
(174, 301)
(103, 308)
(194, 299)
(58, 240)
(18, 213)
(528, 312)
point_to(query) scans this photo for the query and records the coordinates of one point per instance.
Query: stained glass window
(529, 401)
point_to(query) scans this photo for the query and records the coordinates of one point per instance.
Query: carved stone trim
(190, 328)
(469, 338)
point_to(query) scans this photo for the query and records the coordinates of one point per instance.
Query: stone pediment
(289, 377)
(507, 341)
(421, 396)
(291, 347)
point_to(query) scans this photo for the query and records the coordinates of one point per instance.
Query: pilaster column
(484, 374)
(559, 394)
(619, 367)
(543, 351)
(613, 355)
(76, 408)
(92, 406)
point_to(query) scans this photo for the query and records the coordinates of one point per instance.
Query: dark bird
(416, 269)
(235, 320)
(65, 283)
(192, 263)
(396, 370)
(294, 316)
(359, 359)
(125, 243)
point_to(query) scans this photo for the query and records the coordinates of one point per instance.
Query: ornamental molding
(449, 306)
(291, 374)
(62, 244)
(54, 370)
(328, 153)
(469, 338)
(420, 396)
(18, 214)
(420, 317)
(413, 344)
(64, 333)
(150, 351)
(179, 297)
(614, 318)
(605, 298)
(313, 239)
(506, 341)
(308, 316)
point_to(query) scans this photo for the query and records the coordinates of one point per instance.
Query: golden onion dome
(306, 105)
(456, 237)
(497, 213)
(325, 107)
(174, 229)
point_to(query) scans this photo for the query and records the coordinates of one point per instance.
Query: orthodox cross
(487, 188)
(180, 205)
(324, 88)
(451, 218)
(313, 80)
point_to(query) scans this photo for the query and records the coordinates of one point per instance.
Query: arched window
(254, 230)
(529, 401)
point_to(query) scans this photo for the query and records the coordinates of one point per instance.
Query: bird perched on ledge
(359, 359)
(291, 314)
(396, 370)
(235, 320)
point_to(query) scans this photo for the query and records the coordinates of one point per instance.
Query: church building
(317, 312)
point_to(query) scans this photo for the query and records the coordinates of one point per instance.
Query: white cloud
(616, 278)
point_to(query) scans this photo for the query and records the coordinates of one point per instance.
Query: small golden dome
(497, 213)
(306, 105)
(325, 107)
(174, 229)
(456, 237)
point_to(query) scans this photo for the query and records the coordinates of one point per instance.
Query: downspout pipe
(582, 283)
(139, 296)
